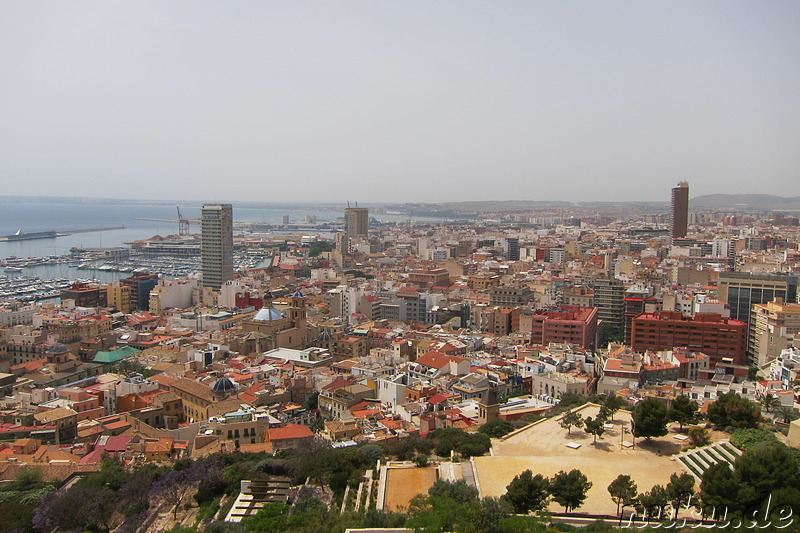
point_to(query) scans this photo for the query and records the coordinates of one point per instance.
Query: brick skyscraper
(679, 215)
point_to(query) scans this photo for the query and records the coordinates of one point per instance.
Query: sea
(29, 216)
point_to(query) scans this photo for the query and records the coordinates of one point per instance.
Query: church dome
(266, 314)
(298, 294)
(223, 385)
(57, 349)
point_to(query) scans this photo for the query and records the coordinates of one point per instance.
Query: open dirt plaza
(402, 484)
(542, 448)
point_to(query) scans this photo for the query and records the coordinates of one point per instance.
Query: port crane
(183, 223)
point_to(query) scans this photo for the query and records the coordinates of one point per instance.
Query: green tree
(272, 518)
(135, 492)
(457, 491)
(787, 414)
(438, 514)
(224, 527)
(82, 507)
(496, 428)
(611, 333)
(315, 460)
(27, 476)
(650, 419)
(769, 401)
(421, 460)
(311, 402)
(604, 414)
(370, 453)
(569, 489)
(594, 427)
(653, 502)
(487, 514)
(718, 489)
(680, 490)
(699, 436)
(732, 410)
(570, 400)
(474, 444)
(571, 419)
(317, 247)
(613, 403)
(374, 519)
(623, 491)
(174, 487)
(683, 410)
(527, 492)
(768, 467)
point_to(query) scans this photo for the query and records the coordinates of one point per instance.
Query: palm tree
(787, 414)
(769, 401)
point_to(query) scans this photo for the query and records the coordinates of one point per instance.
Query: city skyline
(413, 102)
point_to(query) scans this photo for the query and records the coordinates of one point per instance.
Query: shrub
(747, 438)
(496, 428)
(699, 436)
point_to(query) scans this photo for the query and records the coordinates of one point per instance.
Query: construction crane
(183, 223)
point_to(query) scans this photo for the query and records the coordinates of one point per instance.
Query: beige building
(336, 403)
(356, 222)
(774, 326)
(118, 296)
(245, 426)
(794, 434)
(554, 384)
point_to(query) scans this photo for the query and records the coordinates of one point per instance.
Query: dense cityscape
(419, 375)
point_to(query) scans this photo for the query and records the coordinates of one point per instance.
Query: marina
(42, 278)
(29, 289)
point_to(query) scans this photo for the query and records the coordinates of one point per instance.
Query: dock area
(19, 236)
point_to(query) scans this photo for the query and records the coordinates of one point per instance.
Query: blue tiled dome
(268, 313)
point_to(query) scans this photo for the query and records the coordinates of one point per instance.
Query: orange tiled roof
(290, 431)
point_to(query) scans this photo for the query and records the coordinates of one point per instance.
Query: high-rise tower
(216, 250)
(679, 214)
(356, 222)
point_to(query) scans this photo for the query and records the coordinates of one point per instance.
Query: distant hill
(468, 209)
(746, 202)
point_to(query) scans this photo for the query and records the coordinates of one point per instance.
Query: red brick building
(426, 278)
(709, 333)
(565, 324)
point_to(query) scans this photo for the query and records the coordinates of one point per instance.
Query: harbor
(20, 236)
(42, 278)
(30, 289)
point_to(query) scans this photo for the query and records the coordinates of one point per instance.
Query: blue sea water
(33, 216)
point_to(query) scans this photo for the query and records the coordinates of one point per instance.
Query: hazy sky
(381, 101)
